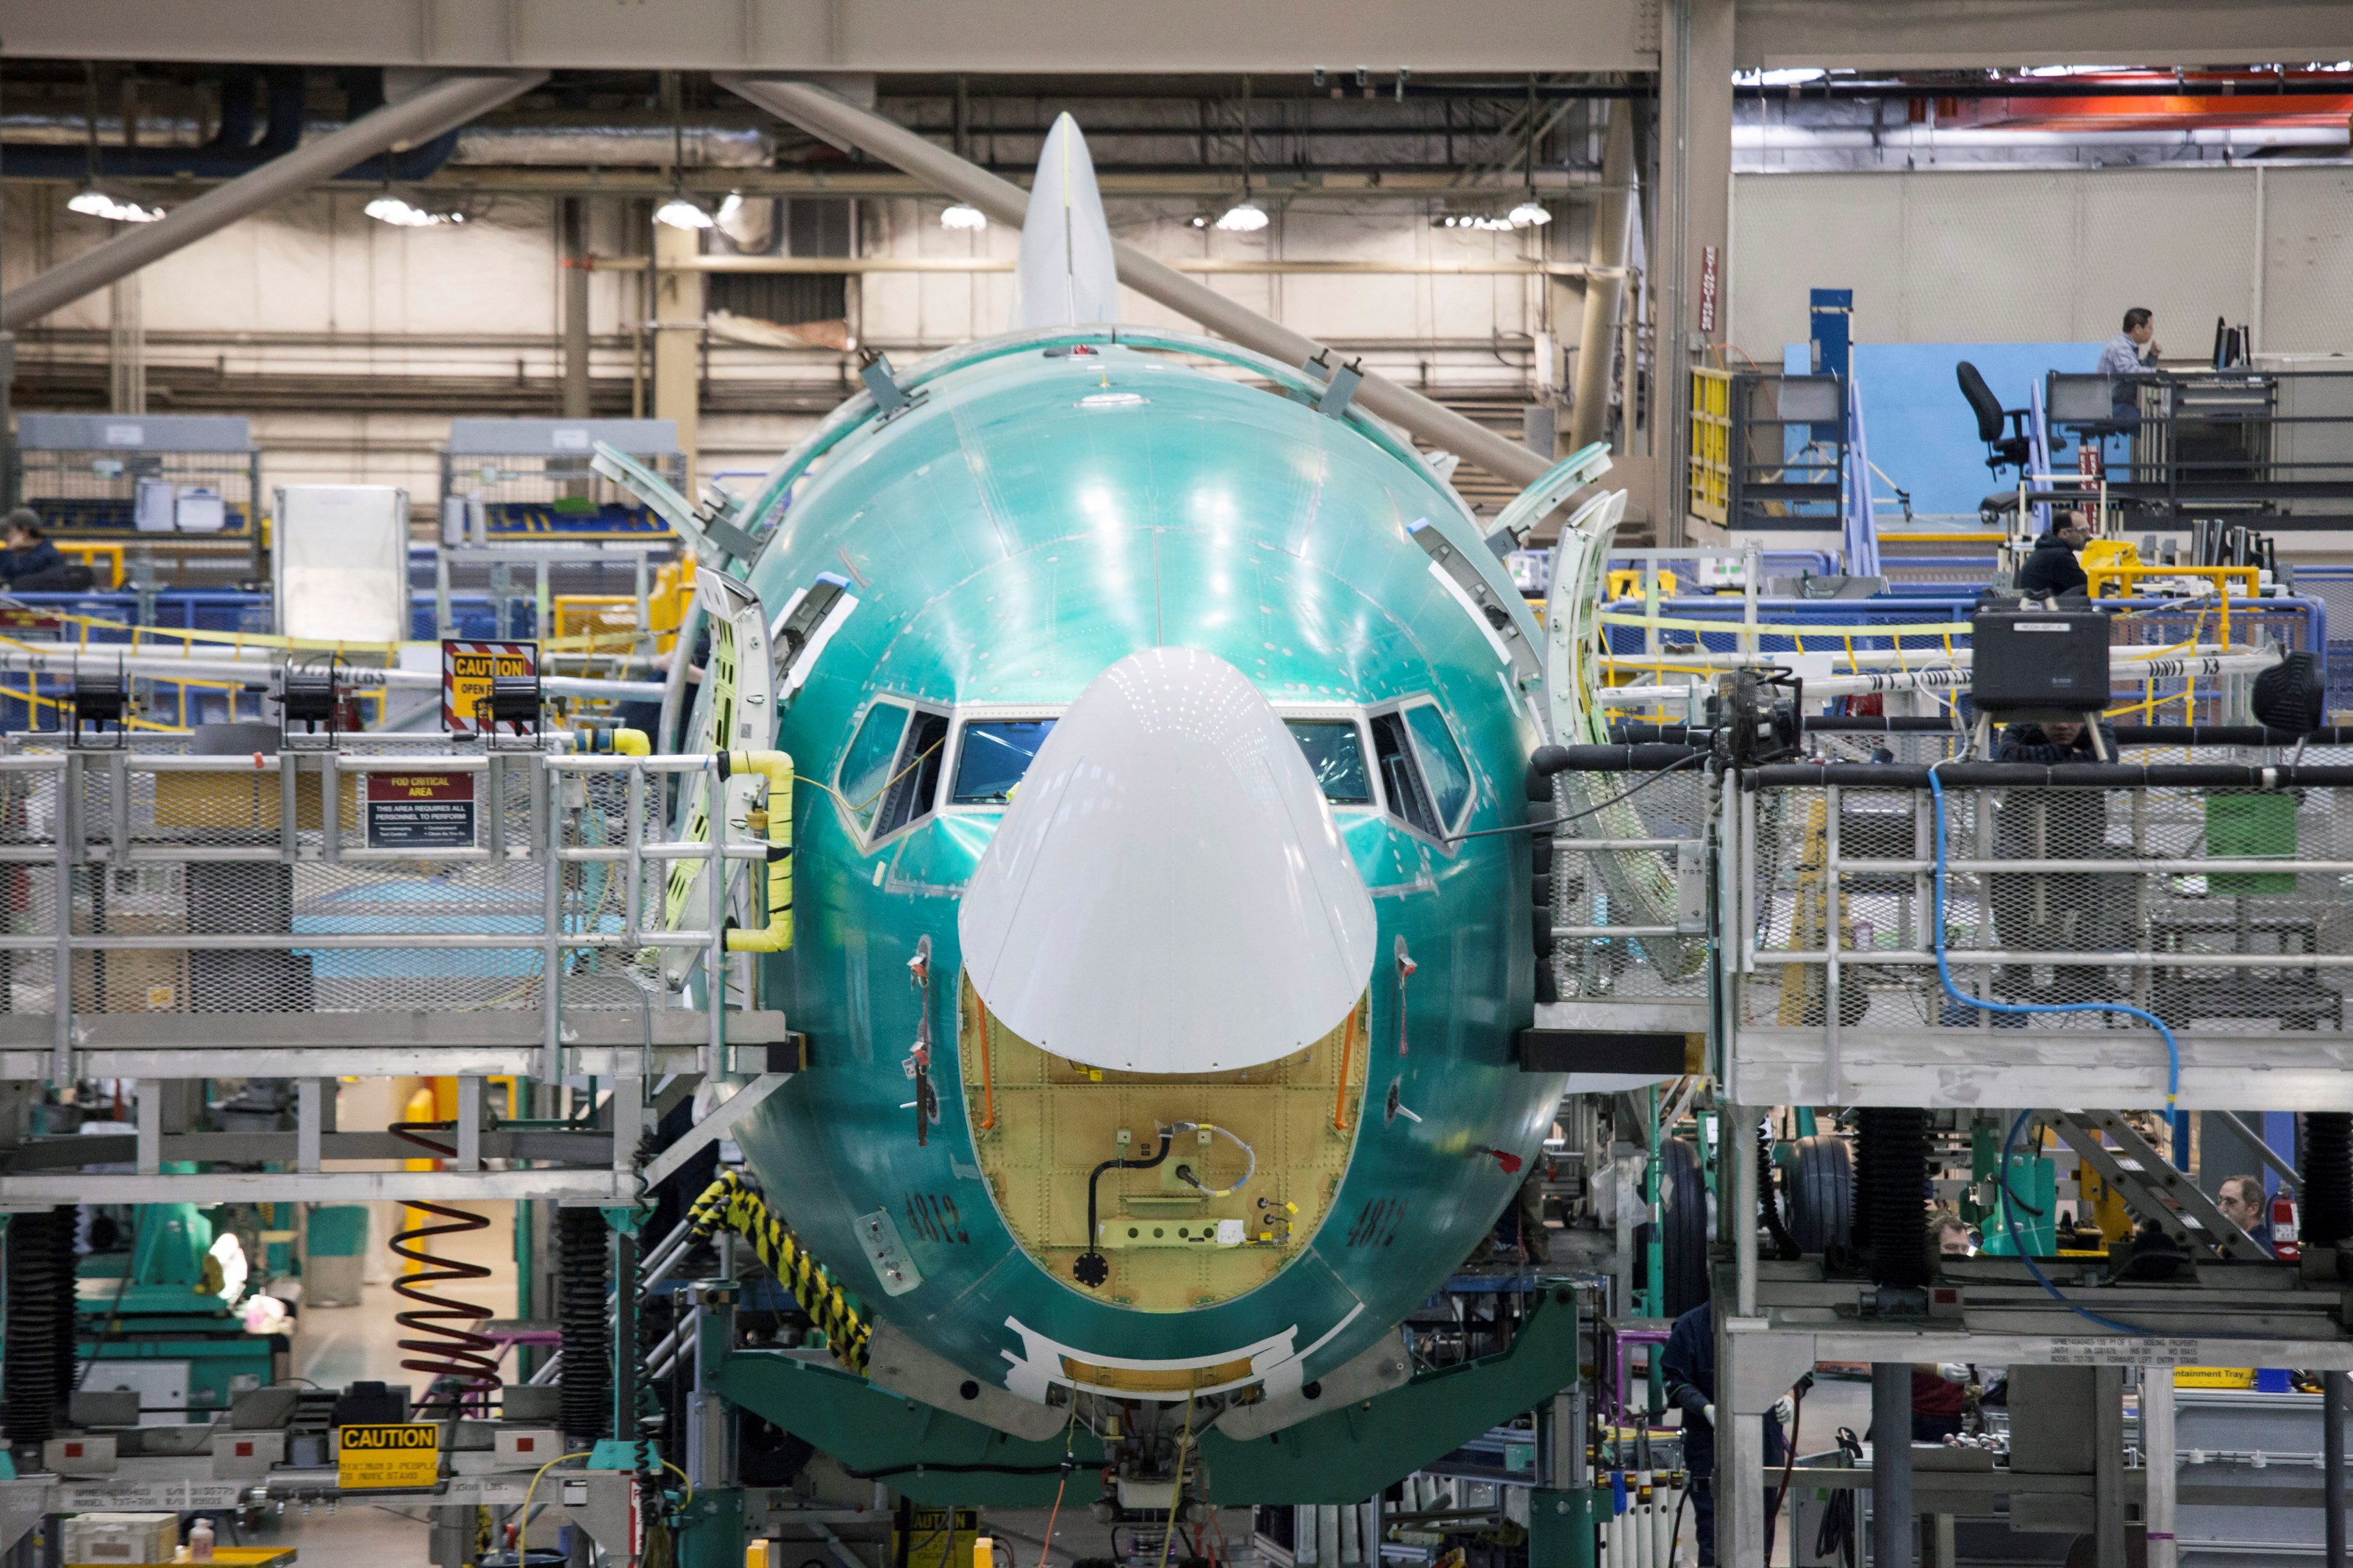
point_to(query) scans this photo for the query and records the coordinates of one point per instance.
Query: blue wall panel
(1922, 434)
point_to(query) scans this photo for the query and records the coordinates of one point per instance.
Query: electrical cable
(1945, 973)
(1091, 1270)
(1177, 1490)
(1944, 978)
(1558, 818)
(1184, 1172)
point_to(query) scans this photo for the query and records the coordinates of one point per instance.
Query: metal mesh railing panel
(2218, 910)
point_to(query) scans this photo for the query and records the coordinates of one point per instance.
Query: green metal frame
(1343, 1456)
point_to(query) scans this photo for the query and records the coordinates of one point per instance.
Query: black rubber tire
(1819, 1189)
(1684, 1192)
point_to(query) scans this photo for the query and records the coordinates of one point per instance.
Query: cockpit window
(1441, 762)
(866, 767)
(1338, 758)
(1401, 776)
(995, 753)
(915, 780)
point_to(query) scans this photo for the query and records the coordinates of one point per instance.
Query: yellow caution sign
(407, 1455)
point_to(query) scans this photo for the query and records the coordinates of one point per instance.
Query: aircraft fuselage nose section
(1168, 892)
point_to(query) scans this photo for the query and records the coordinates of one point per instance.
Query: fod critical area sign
(467, 670)
(420, 812)
(407, 1454)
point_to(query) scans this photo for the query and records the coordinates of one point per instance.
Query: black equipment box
(2039, 664)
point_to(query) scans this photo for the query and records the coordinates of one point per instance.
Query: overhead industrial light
(960, 217)
(1529, 213)
(1245, 217)
(1486, 222)
(401, 213)
(93, 203)
(730, 207)
(679, 212)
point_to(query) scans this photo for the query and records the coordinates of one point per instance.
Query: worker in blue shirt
(2130, 355)
(28, 553)
(1688, 1368)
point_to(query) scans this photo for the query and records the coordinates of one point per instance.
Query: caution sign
(467, 670)
(420, 812)
(408, 1455)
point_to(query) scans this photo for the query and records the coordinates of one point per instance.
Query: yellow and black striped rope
(729, 1203)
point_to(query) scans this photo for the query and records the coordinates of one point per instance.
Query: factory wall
(2042, 256)
(351, 342)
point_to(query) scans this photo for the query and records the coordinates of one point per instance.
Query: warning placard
(420, 812)
(408, 1455)
(467, 670)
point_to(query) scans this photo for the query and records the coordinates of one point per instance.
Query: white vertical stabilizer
(1066, 277)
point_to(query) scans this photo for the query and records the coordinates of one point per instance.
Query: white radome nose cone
(1168, 892)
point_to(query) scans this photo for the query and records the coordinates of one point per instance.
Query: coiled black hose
(2327, 1178)
(582, 1270)
(35, 1385)
(1784, 1243)
(1891, 1208)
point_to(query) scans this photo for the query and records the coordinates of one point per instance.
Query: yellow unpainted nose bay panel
(1042, 1123)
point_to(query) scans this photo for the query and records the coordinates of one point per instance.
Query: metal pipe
(423, 115)
(2332, 1460)
(2263, 1151)
(2157, 1456)
(1605, 292)
(822, 113)
(1891, 1462)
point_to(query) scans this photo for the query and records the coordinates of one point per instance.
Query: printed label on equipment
(467, 670)
(407, 1455)
(2125, 1350)
(420, 811)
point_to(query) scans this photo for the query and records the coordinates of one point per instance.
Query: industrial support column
(421, 116)
(1693, 217)
(2332, 1464)
(576, 252)
(1892, 1529)
(1605, 294)
(2157, 1460)
(678, 338)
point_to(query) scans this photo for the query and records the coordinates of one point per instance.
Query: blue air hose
(1944, 978)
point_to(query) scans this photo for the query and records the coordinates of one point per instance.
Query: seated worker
(27, 554)
(2052, 569)
(2128, 356)
(1688, 1369)
(2241, 1201)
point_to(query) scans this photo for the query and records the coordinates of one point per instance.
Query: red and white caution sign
(467, 670)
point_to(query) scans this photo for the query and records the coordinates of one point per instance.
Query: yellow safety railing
(1711, 447)
(2097, 579)
(95, 555)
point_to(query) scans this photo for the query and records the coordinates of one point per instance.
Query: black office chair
(2001, 451)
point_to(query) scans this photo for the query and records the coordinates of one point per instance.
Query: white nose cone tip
(1168, 892)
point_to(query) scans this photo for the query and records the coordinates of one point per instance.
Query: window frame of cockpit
(1349, 712)
(922, 809)
(1443, 839)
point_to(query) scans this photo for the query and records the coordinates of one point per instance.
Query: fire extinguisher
(2286, 1244)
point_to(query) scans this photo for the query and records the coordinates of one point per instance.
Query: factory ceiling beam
(823, 114)
(420, 117)
(1930, 34)
(1266, 37)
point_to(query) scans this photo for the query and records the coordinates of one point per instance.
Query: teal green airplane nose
(1168, 891)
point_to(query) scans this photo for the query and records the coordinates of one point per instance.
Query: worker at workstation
(1688, 1368)
(28, 553)
(2131, 355)
(2241, 1201)
(2052, 570)
(1940, 1390)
